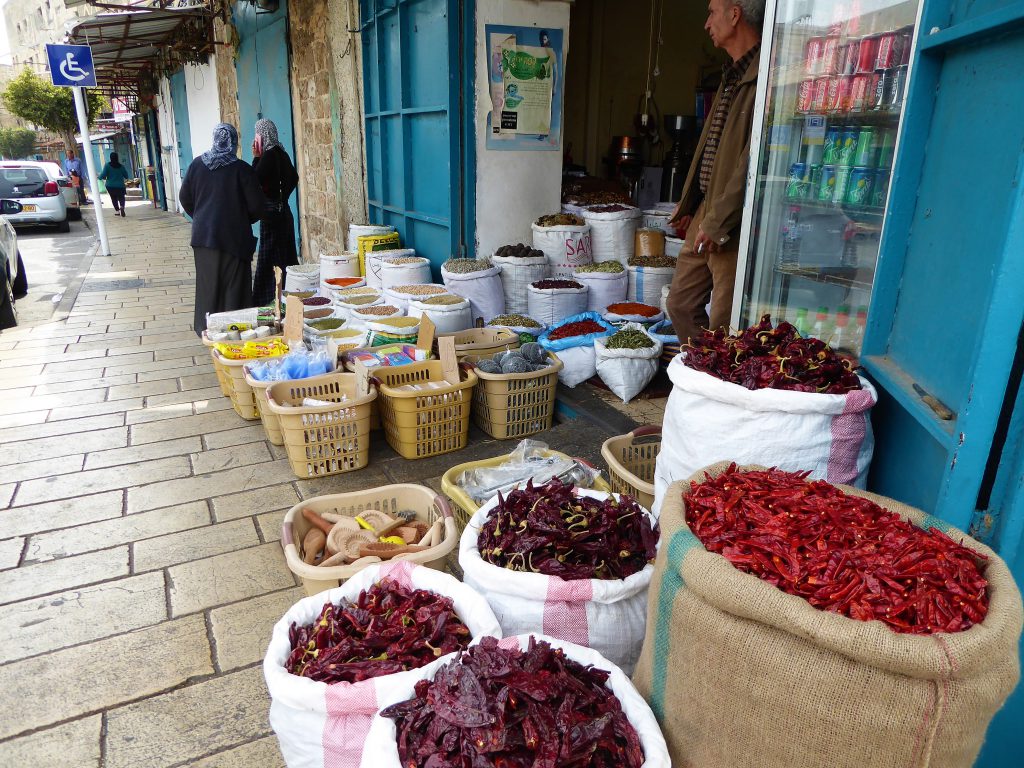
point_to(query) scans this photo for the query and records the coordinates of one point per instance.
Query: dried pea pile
(465, 266)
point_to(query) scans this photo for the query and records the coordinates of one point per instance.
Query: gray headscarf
(267, 131)
(225, 147)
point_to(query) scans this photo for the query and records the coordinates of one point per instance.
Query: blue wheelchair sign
(71, 65)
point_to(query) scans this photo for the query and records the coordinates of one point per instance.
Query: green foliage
(17, 143)
(37, 101)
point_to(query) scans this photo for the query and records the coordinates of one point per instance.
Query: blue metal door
(948, 310)
(264, 87)
(419, 167)
(179, 103)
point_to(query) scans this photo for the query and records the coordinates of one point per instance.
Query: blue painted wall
(179, 100)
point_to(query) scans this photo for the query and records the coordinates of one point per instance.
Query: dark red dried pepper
(545, 285)
(579, 328)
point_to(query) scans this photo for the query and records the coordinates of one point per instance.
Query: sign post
(71, 67)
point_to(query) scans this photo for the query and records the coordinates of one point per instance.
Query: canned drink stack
(833, 136)
(813, 56)
(842, 183)
(847, 147)
(864, 152)
(827, 185)
(861, 183)
(796, 188)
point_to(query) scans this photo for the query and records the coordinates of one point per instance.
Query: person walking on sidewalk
(224, 199)
(277, 228)
(74, 166)
(115, 176)
(711, 206)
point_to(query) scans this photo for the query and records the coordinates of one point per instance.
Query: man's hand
(704, 244)
(682, 225)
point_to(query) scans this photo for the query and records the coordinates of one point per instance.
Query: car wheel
(20, 285)
(8, 315)
(75, 214)
(64, 226)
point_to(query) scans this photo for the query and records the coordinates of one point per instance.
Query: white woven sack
(608, 615)
(549, 305)
(613, 233)
(516, 275)
(641, 320)
(627, 371)
(708, 420)
(340, 265)
(665, 291)
(320, 725)
(578, 365)
(355, 231)
(482, 288)
(447, 318)
(604, 288)
(645, 283)
(345, 310)
(400, 299)
(566, 247)
(673, 246)
(359, 322)
(404, 274)
(373, 264)
(381, 742)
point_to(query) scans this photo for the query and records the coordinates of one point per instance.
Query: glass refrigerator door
(833, 102)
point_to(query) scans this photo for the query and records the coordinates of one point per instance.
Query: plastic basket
(422, 423)
(508, 405)
(463, 507)
(482, 341)
(271, 422)
(631, 461)
(326, 439)
(222, 375)
(243, 399)
(389, 499)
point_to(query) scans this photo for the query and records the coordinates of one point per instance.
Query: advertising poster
(526, 73)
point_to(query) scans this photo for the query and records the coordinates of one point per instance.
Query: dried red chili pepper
(841, 553)
(579, 328)
(549, 284)
(633, 308)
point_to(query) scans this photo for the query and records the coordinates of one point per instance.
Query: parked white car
(56, 173)
(13, 283)
(41, 199)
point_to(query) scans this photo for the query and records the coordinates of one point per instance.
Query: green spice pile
(561, 220)
(330, 324)
(652, 261)
(443, 299)
(465, 266)
(613, 267)
(518, 251)
(629, 338)
(426, 289)
(515, 321)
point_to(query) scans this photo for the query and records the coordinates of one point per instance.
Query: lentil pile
(629, 338)
(652, 261)
(546, 285)
(380, 310)
(518, 251)
(403, 260)
(561, 220)
(612, 267)
(465, 266)
(515, 321)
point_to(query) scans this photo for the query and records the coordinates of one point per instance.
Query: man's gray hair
(753, 11)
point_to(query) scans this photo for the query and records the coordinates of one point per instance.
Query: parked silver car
(56, 173)
(40, 196)
(13, 283)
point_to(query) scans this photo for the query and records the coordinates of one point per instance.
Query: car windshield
(21, 182)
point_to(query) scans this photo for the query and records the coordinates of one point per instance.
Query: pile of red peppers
(579, 328)
(553, 531)
(763, 357)
(515, 709)
(388, 629)
(841, 553)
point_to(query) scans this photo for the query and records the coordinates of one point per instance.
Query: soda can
(830, 56)
(842, 183)
(820, 97)
(861, 184)
(805, 95)
(908, 44)
(886, 147)
(889, 51)
(880, 189)
(812, 56)
(847, 147)
(827, 185)
(848, 58)
(880, 98)
(796, 187)
(862, 90)
(838, 100)
(815, 183)
(830, 155)
(897, 87)
(866, 47)
(864, 152)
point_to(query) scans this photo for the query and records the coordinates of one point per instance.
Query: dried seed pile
(465, 266)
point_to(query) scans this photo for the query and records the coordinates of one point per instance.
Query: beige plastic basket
(326, 439)
(389, 499)
(513, 405)
(243, 399)
(631, 462)
(482, 341)
(222, 375)
(422, 423)
(271, 422)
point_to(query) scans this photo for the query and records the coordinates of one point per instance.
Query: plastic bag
(300, 364)
(576, 352)
(529, 461)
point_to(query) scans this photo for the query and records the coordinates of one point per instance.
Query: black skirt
(276, 249)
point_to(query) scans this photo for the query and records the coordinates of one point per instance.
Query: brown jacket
(723, 204)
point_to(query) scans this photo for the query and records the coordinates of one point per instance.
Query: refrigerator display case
(829, 107)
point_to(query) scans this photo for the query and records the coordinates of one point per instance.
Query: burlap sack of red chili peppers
(741, 674)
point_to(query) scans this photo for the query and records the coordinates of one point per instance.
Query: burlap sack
(740, 674)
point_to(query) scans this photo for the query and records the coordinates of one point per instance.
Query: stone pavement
(140, 565)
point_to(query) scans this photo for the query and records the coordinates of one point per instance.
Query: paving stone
(100, 382)
(204, 486)
(6, 494)
(71, 745)
(145, 389)
(75, 427)
(263, 753)
(115, 531)
(159, 413)
(227, 578)
(45, 402)
(179, 727)
(346, 482)
(91, 363)
(183, 427)
(32, 470)
(44, 448)
(176, 353)
(60, 514)
(50, 688)
(42, 624)
(10, 553)
(21, 419)
(247, 503)
(250, 434)
(207, 541)
(98, 480)
(119, 368)
(159, 338)
(212, 405)
(242, 630)
(136, 453)
(186, 396)
(269, 524)
(227, 458)
(199, 381)
(67, 573)
(96, 409)
(177, 373)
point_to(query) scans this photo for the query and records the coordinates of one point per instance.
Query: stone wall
(224, 65)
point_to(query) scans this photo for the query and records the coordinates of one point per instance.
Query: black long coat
(224, 204)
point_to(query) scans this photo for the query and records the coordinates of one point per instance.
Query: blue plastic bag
(559, 345)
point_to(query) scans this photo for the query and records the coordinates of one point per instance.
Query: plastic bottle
(790, 254)
(840, 335)
(857, 342)
(801, 323)
(821, 328)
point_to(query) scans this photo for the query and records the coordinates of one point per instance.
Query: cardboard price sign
(293, 319)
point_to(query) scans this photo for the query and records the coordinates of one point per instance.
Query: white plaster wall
(513, 188)
(203, 105)
(168, 145)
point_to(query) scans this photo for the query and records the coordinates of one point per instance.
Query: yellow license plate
(28, 208)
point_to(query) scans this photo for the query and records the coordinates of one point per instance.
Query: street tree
(36, 100)
(17, 143)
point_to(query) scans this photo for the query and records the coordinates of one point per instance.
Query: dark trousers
(81, 192)
(116, 197)
(223, 283)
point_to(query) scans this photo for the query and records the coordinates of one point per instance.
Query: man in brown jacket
(709, 211)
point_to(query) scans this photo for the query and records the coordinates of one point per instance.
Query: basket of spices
(482, 341)
(631, 460)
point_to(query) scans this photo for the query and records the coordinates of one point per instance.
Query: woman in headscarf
(278, 179)
(115, 176)
(224, 199)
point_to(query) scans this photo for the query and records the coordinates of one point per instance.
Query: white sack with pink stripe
(708, 420)
(325, 726)
(608, 615)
